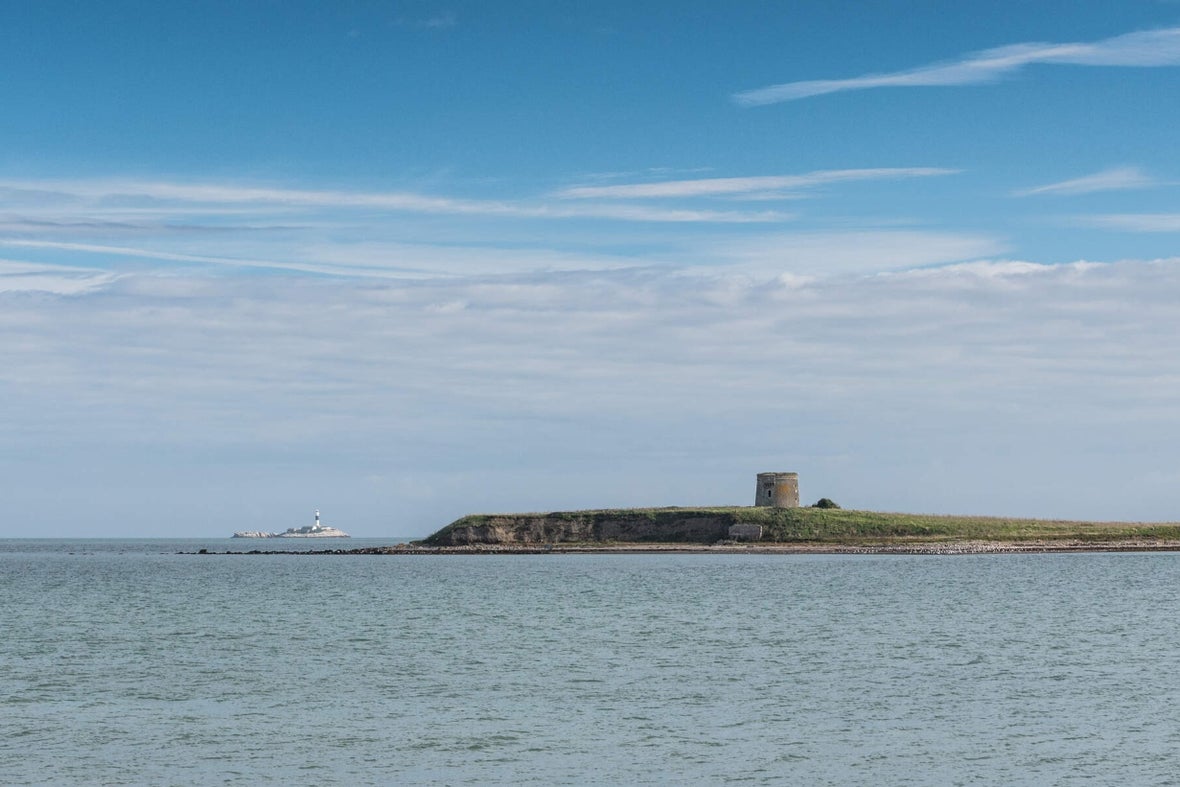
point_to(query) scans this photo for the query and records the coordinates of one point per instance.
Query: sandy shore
(888, 548)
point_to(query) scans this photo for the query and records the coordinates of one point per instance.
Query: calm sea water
(122, 662)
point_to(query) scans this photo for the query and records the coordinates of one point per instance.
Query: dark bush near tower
(826, 502)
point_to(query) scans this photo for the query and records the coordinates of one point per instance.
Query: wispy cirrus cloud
(440, 21)
(808, 254)
(128, 225)
(168, 256)
(1139, 49)
(761, 185)
(18, 276)
(1115, 179)
(850, 252)
(122, 196)
(368, 260)
(1136, 222)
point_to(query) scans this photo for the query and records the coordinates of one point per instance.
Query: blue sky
(403, 261)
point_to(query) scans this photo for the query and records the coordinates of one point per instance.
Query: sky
(404, 261)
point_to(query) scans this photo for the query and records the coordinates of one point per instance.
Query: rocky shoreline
(801, 548)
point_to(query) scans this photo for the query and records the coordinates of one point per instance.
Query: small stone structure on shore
(745, 532)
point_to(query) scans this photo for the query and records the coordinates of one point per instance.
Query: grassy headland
(780, 526)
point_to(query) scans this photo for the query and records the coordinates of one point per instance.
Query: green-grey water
(125, 663)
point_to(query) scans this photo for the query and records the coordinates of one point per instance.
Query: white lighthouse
(314, 530)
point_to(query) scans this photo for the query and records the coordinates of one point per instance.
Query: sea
(128, 662)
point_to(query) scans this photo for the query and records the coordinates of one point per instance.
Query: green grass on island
(826, 524)
(808, 524)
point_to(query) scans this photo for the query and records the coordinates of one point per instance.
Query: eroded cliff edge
(651, 525)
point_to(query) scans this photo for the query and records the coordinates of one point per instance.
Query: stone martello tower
(780, 490)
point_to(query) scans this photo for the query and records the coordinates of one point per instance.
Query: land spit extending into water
(779, 531)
